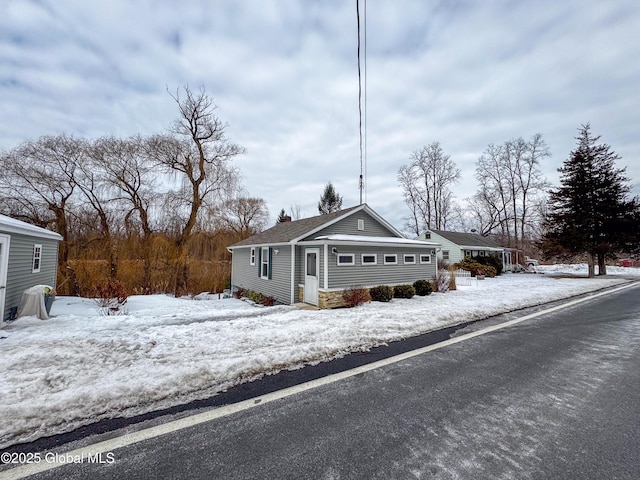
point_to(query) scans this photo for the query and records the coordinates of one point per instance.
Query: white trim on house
(36, 260)
(11, 225)
(374, 255)
(389, 255)
(342, 256)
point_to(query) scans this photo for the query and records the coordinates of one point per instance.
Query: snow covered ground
(81, 366)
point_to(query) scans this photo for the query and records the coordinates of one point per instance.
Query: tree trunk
(591, 265)
(602, 264)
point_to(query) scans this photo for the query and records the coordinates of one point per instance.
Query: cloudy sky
(284, 76)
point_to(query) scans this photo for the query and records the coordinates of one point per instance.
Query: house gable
(361, 223)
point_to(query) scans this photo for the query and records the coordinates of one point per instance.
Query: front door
(311, 273)
(4, 264)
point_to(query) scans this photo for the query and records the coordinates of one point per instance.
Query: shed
(314, 259)
(28, 257)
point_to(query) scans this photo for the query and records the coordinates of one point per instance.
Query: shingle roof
(287, 231)
(467, 239)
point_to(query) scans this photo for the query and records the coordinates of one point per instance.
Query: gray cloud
(284, 76)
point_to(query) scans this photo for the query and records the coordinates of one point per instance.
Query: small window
(391, 259)
(425, 258)
(467, 253)
(482, 253)
(427, 236)
(264, 270)
(37, 258)
(445, 254)
(409, 259)
(346, 259)
(360, 224)
(252, 257)
(369, 259)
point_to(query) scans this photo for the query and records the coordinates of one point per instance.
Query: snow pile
(582, 269)
(80, 367)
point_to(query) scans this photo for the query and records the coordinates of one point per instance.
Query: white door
(311, 273)
(4, 264)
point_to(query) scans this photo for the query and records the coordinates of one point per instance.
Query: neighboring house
(456, 246)
(28, 257)
(313, 260)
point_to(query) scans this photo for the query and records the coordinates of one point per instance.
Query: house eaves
(11, 225)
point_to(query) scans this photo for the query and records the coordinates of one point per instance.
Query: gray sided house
(28, 257)
(457, 245)
(313, 260)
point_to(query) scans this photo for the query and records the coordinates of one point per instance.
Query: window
(37, 257)
(445, 254)
(346, 259)
(482, 253)
(409, 259)
(427, 236)
(360, 224)
(252, 257)
(467, 253)
(391, 259)
(369, 259)
(425, 258)
(264, 269)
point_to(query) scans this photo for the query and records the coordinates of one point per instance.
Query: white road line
(104, 447)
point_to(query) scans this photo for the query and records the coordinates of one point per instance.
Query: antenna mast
(363, 151)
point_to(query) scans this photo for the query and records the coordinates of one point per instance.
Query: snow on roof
(369, 239)
(11, 225)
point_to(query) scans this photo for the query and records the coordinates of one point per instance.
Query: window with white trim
(482, 253)
(264, 270)
(345, 259)
(445, 254)
(37, 258)
(409, 259)
(252, 256)
(360, 224)
(390, 259)
(467, 253)
(424, 258)
(369, 259)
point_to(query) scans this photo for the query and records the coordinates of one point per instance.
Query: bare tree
(510, 187)
(426, 183)
(38, 182)
(197, 152)
(295, 211)
(245, 216)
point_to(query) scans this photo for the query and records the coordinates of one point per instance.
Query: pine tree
(330, 201)
(283, 217)
(589, 212)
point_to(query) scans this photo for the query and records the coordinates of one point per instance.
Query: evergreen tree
(283, 217)
(590, 212)
(330, 201)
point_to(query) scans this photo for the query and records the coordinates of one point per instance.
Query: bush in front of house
(381, 293)
(492, 261)
(476, 268)
(259, 298)
(354, 296)
(422, 287)
(404, 291)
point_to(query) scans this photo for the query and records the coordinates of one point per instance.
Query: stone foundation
(325, 299)
(330, 299)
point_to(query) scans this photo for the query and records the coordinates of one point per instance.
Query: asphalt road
(554, 397)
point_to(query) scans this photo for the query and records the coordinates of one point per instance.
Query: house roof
(11, 225)
(468, 239)
(287, 232)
